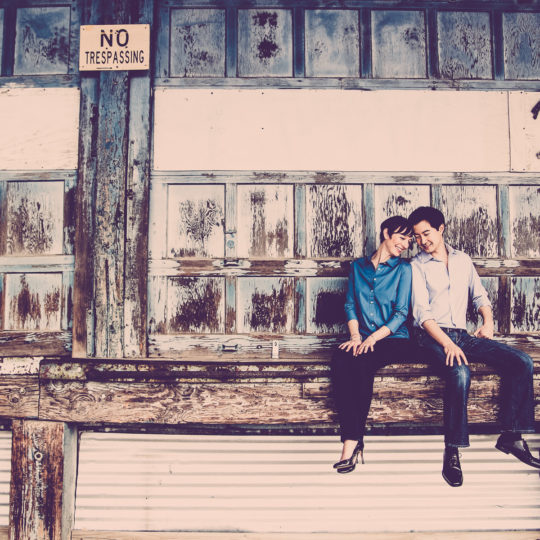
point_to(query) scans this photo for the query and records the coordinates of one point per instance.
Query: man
(443, 280)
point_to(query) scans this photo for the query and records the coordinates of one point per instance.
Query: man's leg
(456, 393)
(517, 394)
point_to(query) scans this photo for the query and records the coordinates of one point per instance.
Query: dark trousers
(514, 367)
(352, 380)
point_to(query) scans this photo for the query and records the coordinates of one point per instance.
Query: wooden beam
(19, 396)
(42, 492)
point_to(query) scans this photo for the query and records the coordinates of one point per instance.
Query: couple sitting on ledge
(436, 285)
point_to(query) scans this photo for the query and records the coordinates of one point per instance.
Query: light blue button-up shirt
(379, 297)
(442, 293)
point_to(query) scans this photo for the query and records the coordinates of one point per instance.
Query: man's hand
(353, 343)
(453, 352)
(367, 345)
(485, 331)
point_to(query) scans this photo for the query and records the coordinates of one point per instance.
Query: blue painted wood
(42, 40)
(398, 44)
(299, 47)
(432, 44)
(332, 43)
(197, 43)
(498, 45)
(1, 36)
(162, 41)
(9, 15)
(232, 42)
(365, 44)
(521, 45)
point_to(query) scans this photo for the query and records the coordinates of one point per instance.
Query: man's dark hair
(396, 224)
(427, 213)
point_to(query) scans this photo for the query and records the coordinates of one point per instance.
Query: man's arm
(486, 330)
(481, 303)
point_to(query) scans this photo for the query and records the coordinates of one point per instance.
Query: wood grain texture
(464, 45)
(195, 305)
(334, 221)
(265, 43)
(197, 43)
(19, 396)
(332, 43)
(521, 45)
(196, 225)
(17, 343)
(525, 304)
(265, 221)
(398, 44)
(33, 301)
(34, 218)
(471, 219)
(265, 305)
(42, 40)
(524, 203)
(42, 492)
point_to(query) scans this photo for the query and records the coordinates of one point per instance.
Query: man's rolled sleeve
(420, 297)
(403, 300)
(477, 291)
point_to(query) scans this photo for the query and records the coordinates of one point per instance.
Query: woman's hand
(367, 345)
(354, 343)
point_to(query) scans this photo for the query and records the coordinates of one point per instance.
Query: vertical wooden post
(111, 243)
(43, 471)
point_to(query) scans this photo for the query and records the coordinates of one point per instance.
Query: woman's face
(397, 242)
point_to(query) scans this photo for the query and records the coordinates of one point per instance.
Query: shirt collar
(425, 257)
(391, 262)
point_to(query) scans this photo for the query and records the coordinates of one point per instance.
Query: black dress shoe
(518, 449)
(348, 465)
(451, 467)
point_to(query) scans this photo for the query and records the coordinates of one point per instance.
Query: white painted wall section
(345, 130)
(524, 110)
(39, 128)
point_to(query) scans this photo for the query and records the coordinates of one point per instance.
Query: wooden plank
(265, 305)
(334, 221)
(137, 206)
(39, 128)
(1, 38)
(471, 219)
(157, 304)
(464, 45)
(413, 178)
(35, 343)
(265, 43)
(286, 130)
(195, 305)
(109, 214)
(265, 221)
(70, 189)
(524, 213)
(231, 219)
(34, 218)
(19, 396)
(325, 305)
(197, 43)
(195, 221)
(332, 43)
(398, 44)
(33, 301)
(525, 304)
(42, 40)
(42, 492)
(162, 40)
(521, 45)
(524, 133)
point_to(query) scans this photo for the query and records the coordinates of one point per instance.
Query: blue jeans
(514, 367)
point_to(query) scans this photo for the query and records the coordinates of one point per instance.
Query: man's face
(427, 237)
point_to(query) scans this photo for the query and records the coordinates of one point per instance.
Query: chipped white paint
(39, 128)
(5, 470)
(287, 484)
(342, 130)
(524, 131)
(20, 365)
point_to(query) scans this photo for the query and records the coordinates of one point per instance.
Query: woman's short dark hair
(427, 213)
(395, 224)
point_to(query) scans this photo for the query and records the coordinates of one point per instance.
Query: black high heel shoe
(348, 465)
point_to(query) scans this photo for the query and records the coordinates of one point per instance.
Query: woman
(377, 307)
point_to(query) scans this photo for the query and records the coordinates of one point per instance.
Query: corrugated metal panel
(287, 484)
(5, 472)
